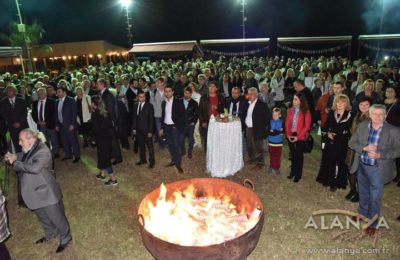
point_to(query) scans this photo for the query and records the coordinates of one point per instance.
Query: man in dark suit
(173, 123)
(143, 127)
(237, 106)
(111, 107)
(66, 125)
(192, 115)
(257, 119)
(131, 97)
(14, 111)
(44, 115)
(39, 188)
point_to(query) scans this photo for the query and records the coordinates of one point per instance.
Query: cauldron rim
(256, 226)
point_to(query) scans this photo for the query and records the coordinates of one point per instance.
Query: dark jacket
(221, 88)
(50, 111)
(178, 114)
(243, 106)
(144, 122)
(393, 113)
(250, 83)
(204, 108)
(192, 112)
(131, 98)
(68, 112)
(18, 114)
(261, 118)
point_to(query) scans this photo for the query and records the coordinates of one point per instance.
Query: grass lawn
(104, 222)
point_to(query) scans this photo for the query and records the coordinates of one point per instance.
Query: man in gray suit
(376, 144)
(40, 191)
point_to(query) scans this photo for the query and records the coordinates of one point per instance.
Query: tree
(34, 35)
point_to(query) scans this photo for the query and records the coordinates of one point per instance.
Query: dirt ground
(105, 226)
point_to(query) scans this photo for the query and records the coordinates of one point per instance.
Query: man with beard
(39, 188)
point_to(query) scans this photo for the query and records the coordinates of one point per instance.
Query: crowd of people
(354, 104)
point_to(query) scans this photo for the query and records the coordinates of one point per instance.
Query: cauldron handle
(141, 219)
(247, 181)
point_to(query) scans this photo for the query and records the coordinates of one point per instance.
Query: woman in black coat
(102, 128)
(333, 171)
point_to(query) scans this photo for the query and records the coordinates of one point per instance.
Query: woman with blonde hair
(250, 81)
(277, 85)
(333, 171)
(83, 110)
(368, 91)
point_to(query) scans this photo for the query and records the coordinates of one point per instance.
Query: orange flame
(188, 220)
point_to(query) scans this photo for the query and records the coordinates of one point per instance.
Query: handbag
(309, 142)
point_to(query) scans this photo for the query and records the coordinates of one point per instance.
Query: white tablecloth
(224, 148)
(31, 123)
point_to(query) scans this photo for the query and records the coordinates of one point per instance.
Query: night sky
(175, 20)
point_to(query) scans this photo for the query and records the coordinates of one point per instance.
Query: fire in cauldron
(201, 219)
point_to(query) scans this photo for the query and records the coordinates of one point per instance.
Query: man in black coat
(237, 106)
(44, 115)
(173, 123)
(143, 127)
(111, 107)
(14, 112)
(192, 115)
(131, 94)
(257, 119)
(131, 97)
(66, 125)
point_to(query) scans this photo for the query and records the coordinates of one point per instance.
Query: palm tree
(34, 35)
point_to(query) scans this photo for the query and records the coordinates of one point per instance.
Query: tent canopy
(235, 41)
(321, 39)
(379, 37)
(79, 48)
(7, 52)
(157, 47)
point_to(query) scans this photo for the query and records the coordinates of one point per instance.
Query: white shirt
(38, 108)
(12, 101)
(249, 116)
(196, 97)
(168, 111)
(60, 106)
(140, 106)
(226, 89)
(231, 108)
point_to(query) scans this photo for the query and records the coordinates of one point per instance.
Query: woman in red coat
(297, 127)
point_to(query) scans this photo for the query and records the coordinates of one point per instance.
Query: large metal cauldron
(238, 248)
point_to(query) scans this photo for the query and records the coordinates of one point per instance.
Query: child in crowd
(275, 141)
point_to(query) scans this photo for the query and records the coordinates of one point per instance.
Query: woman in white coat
(83, 109)
(277, 85)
